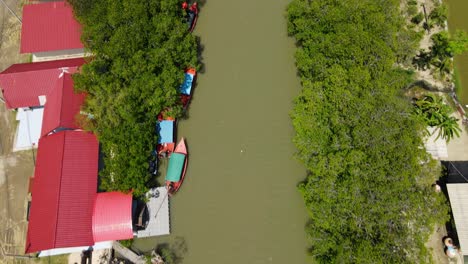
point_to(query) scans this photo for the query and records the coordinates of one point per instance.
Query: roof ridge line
(60, 187)
(61, 98)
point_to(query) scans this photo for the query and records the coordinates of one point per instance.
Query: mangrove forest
(139, 52)
(368, 190)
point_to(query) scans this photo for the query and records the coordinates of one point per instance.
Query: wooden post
(425, 17)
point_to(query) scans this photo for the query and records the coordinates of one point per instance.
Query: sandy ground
(458, 147)
(435, 245)
(429, 75)
(15, 168)
(10, 30)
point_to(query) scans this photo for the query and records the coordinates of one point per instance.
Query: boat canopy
(165, 130)
(186, 87)
(176, 165)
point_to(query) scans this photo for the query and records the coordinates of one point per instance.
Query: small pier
(158, 207)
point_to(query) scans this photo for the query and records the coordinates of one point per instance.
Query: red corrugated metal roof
(65, 184)
(21, 84)
(112, 218)
(49, 26)
(62, 106)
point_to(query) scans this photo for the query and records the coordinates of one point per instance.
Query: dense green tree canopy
(368, 190)
(140, 50)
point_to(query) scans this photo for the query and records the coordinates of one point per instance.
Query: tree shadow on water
(200, 50)
(201, 3)
(173, 253)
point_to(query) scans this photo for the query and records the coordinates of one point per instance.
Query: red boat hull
(194, 9)
(165, 149)
(173, 187)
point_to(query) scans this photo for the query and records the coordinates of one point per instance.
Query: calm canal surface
(457, 20)
(239, 202)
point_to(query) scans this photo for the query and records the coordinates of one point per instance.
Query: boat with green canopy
(176, 168)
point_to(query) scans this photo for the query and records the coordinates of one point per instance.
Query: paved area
(458, 147)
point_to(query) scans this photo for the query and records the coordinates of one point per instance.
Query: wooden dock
(158, 207)
(128, 254)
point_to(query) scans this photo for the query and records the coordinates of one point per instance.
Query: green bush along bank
(368, 191)
(140, 49)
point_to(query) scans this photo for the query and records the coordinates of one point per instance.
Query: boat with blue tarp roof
(187, 85)
(165, 130)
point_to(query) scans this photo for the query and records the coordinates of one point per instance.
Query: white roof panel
(29, 128)
(458, 195)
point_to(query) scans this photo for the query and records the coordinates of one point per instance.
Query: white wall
(58, 55)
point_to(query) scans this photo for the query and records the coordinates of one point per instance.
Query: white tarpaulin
(29, 128)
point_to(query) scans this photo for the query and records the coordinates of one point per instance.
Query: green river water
(458, 20)
(239, 202)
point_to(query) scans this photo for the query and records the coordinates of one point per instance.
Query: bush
(439, 15)
(126, 243)
(418, 18)
(412, 10)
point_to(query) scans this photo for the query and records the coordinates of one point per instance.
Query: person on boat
(190, 10)
(193, 7)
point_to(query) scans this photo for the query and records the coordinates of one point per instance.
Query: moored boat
(177, 167)
(186, 87)
(165, 130)
(192, 15)
(165, 115)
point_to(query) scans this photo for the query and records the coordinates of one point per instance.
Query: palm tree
(448, 129)
(436, 113)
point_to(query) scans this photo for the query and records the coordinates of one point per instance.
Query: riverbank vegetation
(440, 55)
(368, 191)
(434, 61)
(436, 113)
(140, 49)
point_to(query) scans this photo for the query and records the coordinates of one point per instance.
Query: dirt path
(17, 167)
(10, 30)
